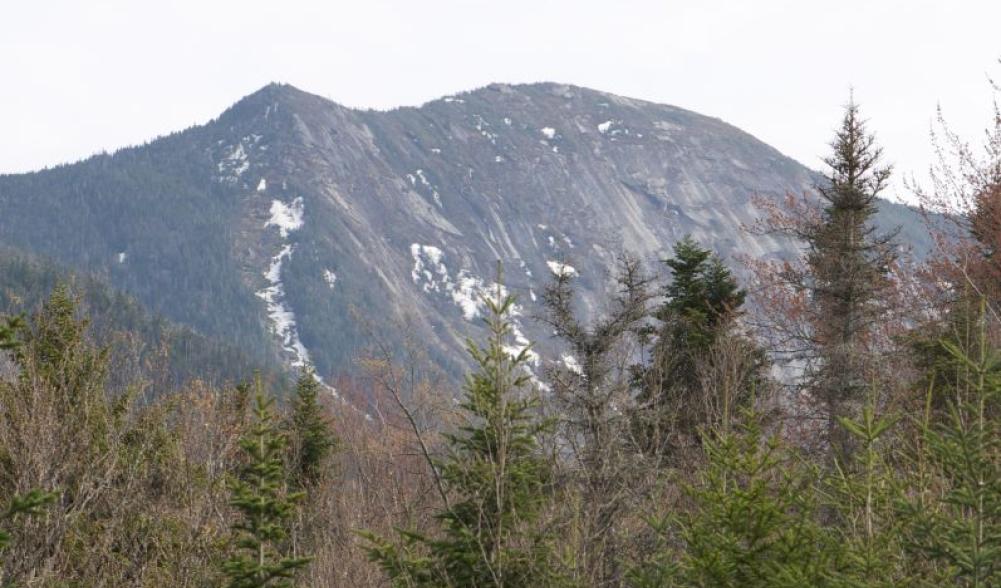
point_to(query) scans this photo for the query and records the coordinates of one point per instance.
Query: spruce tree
(593, 397)
(946, 379)
(953, 515)
(701, 304)
(497, 478)
(63, 427)
(260, 495)
(8, 333)
(53, 348)
(752, 520)
(847, 273)
(703, 292)
(313, 439)
(859, 499)
(57, 331)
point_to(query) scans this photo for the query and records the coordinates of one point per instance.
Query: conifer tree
(73, 371)
(702, 290)
(313, 439)
(860, 500)
(489, 532)
(55, 349)
(8, 333)
(943, 380)
(58, 331)
(64, 427)
(847, 273)
(954, 516)
(752, 520)
(701, 304)
(260, 495)
(592, 394)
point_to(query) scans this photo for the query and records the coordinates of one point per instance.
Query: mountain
(294, 226)
(168, 354)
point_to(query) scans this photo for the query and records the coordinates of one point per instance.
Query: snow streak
(288, 218)
(470, 293)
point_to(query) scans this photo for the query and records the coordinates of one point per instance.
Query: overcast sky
(82, 77)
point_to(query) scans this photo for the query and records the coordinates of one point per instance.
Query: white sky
(80, 77)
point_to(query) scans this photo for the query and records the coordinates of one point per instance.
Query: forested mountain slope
(294, 227)
(152, 347)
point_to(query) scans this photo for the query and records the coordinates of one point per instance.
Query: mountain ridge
(288, 216)
(290, 91)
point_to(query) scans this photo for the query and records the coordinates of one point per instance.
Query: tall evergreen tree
(312, 436)
(260, 495)
(702, 293)
(497, 476)
(847, 272)
(702, 301)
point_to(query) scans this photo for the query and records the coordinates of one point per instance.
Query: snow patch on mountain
(432, 275)
(282, 317)
(235, 159)
(233, 164)
(466, 295)
(429, 268)
(482, 126)
(419, 176)
(561, 269)
(287, 217)
(613, 128)
(470, 293)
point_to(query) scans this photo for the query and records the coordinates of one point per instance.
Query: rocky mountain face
(294, 226)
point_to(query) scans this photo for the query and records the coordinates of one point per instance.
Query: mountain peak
(274, 96)
(279, 91)
(551, 94)
(275, 223)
